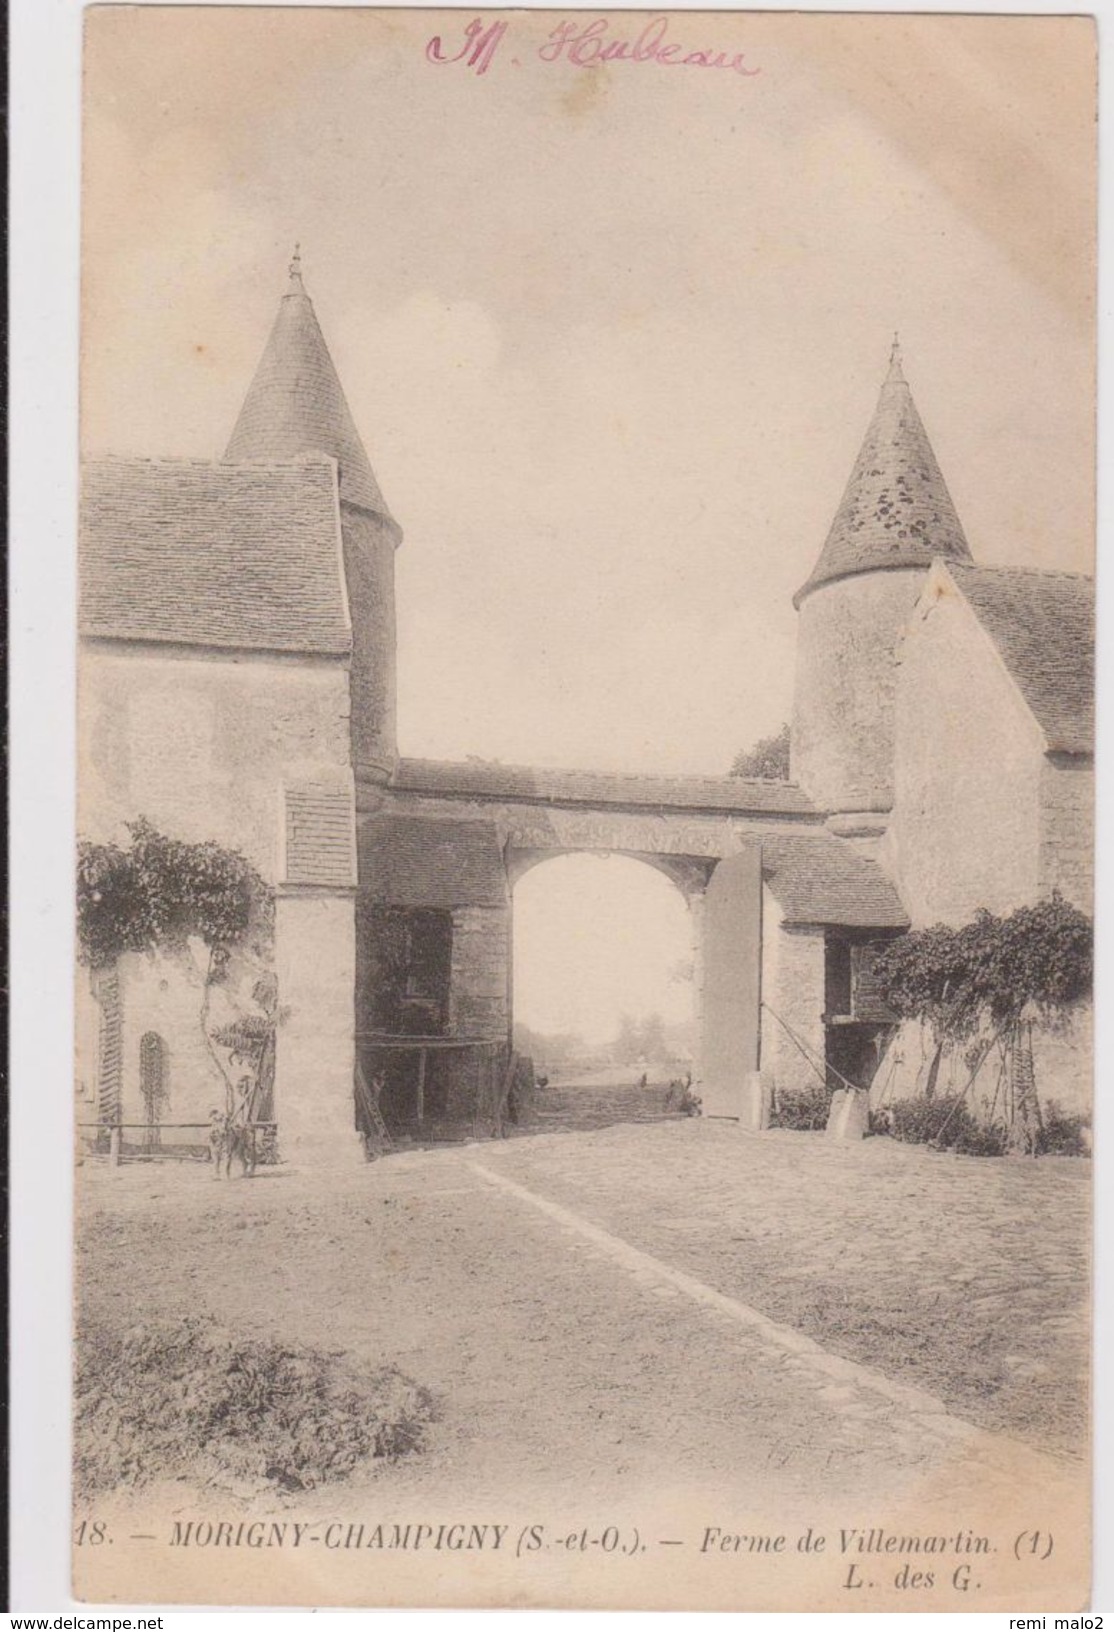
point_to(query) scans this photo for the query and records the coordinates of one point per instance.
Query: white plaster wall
(164, 995)
(793, 986)
(1063, 1062)
(315, 1061)
(731, 979)
(1062, 1065)
(200, 744)
(969, 764)
(1067, 829)
(87, 1033)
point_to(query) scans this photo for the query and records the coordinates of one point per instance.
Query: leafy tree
(250, 1041)
(641, 1039)
(161, 895)
(654, 1045)
(768, 760)
(628, 1044)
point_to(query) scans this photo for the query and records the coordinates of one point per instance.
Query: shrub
(944, 1122)
(803, 1109)
(680, 1099)
(1062, 1133)
(182, 1399)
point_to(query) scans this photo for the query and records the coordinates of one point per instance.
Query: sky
(612, 333)
(597, 937)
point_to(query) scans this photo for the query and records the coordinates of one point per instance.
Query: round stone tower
(896, 515)
(296, 405)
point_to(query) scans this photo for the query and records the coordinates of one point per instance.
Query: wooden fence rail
(182, 1152)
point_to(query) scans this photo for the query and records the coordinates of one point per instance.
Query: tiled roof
(896, 510)
(244, 556)
(320, 835)
(1043, 624)
(412, 861)
(296, 404)
(819, 879)
(721, 795)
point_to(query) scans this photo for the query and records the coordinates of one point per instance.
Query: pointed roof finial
(296, 284)
(896, 511)
(295, 404)
(895, 375)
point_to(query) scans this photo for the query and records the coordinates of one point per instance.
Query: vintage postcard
(584, 853)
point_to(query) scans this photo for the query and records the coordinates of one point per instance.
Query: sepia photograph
(585, 779)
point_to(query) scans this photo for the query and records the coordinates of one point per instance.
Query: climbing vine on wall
(992, 971)
(987, 982)
(160, 894)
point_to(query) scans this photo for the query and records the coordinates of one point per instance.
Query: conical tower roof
(296, 404)
(896, 510)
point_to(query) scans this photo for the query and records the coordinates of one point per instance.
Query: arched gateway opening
(603, 965)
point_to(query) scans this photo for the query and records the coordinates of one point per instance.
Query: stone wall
(1067, 829)
(200, 744)
(969, 767)
(842, 736)
(539, 829)
(369, 569)
(315, 1061)
(479, 1001)
(793, 986)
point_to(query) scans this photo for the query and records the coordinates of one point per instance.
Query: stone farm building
(237, 684)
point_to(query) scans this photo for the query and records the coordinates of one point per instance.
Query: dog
(229, 1138)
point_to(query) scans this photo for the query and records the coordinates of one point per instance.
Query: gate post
(315, 965)
(315, 1047)
(731, 985)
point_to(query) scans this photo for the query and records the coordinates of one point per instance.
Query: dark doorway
(857, 1024)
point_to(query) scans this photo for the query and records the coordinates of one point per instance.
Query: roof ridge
(579, 770)
(292, 461)
(1002, 566)
(114, 458)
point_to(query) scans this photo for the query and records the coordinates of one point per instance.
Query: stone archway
(601, 990)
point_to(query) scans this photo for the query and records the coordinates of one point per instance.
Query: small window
(409, 953)
(867, 988)
(152, 1077)
(837, 977)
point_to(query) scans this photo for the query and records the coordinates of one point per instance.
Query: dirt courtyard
(559, 1358)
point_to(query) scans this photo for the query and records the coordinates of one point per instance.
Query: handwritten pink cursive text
(585, 44)
(478, 48)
